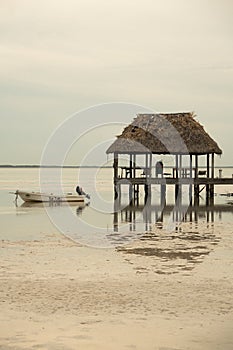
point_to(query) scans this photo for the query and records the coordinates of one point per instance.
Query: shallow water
(97, 224)
(164, 282)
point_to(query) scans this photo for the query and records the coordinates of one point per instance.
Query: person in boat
(80, 192)
(159, 169)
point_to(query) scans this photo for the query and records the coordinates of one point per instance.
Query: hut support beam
(180, 176)
(212, 176)
(135, 187)
(131, 187)
(178, 187)
(176, 176)
(130, 193)
(190, 175)
(163, 194)
(147, 186)
(207, 175)
(115, 167)
(196, 187)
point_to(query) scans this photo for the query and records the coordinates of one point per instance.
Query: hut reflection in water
(151, 214)
(193, 237)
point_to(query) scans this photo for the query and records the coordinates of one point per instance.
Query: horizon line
(82, 166)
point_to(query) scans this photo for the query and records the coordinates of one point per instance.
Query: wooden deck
(173, 181)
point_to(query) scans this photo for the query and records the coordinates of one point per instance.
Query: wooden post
(146, 165)
(130, 165)
(196, 166)
(163, 195)
(116, 215)
(147, 186)
(134, 165)
(208, 165)
(150, 165)
(134, 175)
(207, 215)
(115, 167)
(176, 176)
(212, 214)
(212, 166)
(212, 177)
(130, 177)
(150, 171)
(177, 166)
(181, 175)
(191, 215)
(190, 176)
(130, 193)
(147, 199)
(207, 175)
(195, 215)
(137, 194)
(180, 165)
(196, 187)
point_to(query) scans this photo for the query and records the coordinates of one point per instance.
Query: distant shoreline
(54, 166)
(85, 166)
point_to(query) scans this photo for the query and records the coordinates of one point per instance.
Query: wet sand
(165, 292)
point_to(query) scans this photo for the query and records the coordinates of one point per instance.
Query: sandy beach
(58, 294)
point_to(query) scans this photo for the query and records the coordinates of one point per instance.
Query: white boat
(51, 197)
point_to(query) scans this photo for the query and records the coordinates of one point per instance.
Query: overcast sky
(58, 57)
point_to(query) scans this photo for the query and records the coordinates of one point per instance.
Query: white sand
(55, 294)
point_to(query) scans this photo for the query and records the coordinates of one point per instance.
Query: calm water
(96, 224)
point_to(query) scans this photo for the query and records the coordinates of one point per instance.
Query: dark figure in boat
(80, 191)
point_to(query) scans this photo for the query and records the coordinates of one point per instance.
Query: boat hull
(44, 197)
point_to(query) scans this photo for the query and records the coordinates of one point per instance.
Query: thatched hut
(155, 132)
(177, 134)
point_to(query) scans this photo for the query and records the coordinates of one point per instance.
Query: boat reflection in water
(79, 207)
(173, 239)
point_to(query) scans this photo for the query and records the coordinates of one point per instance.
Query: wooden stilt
(212, 176)
(115, 226)
(196, 195)
(115, 192)
(180, 176)
(212, 215)
(115, 170)
(176, 176)
(190, 176)
(130, 193)
(195, 215)
(149, 173)
(207, 175)
(138, 192)
(134, 165)
(146, 190)
(163, 195)
(207, 216)
(191, 216)
(196, 187)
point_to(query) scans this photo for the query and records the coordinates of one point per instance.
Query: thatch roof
(177, 133)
